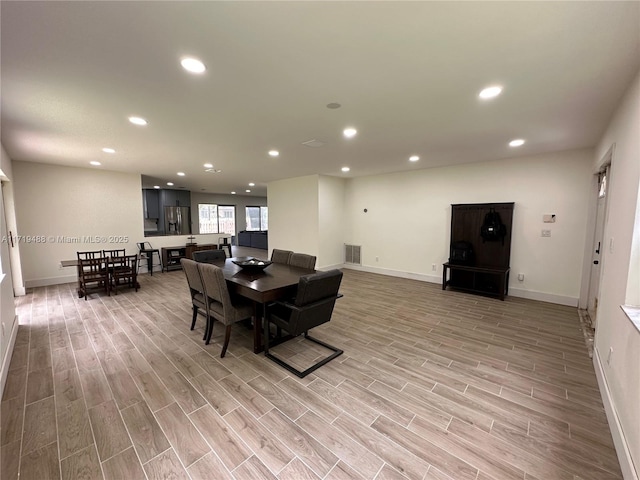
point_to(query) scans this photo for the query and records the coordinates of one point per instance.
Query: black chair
(313, 306)
(209, 256)
(93, 274)
(120, 252)
(280, 256)
(302, 260)
(89, 255)
(147, 252)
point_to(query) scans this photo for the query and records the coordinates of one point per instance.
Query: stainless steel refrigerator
(177, 220)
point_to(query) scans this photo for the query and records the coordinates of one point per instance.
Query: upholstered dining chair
(280, 256)
(220, 306)
(302, 260)
(196, 290)
(209, 256)
(312, 306)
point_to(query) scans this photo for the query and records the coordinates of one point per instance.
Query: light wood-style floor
(432, 385)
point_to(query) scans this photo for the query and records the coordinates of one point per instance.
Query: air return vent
(352, 254)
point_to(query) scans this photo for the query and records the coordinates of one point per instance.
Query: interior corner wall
(615, 332)
(61, 210)
(331, 222)
(406, 227)
(293, 214)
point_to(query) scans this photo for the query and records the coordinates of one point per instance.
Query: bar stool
(146, 251)
(224, 242)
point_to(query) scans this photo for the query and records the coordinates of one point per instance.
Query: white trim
(4, 371)
(396, 273)
(544, 297)
(622, 447)
(45, 282)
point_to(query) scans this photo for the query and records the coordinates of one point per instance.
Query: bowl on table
(254, 264)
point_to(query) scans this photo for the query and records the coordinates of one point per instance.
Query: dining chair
(123, 269)
(196, 289)
(312, 306)
(280, 256)
(209, 256)
(120, 252)
(93, 275)
(219, 304)
(302, 260)
(86, 255)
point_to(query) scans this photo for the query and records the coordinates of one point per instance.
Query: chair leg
(208, 330)
(227, 335)
(195, 314)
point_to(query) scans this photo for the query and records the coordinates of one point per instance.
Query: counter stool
(146, 251)
(224, 242)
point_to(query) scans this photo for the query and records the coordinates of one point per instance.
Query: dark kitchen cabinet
(151, 202)
(175, 198)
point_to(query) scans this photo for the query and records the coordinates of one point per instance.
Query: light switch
(545, 233)
(549, 218)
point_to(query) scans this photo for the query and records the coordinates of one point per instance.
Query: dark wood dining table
(276, 282)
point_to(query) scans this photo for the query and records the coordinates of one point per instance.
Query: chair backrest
(144, 246)
(193, 276)
(209, 256)
(302, 260)
(123, 265)
(316, 297)
(91, 267)
(216, 289)
(121, 252)
(280, 256)
(89, 255)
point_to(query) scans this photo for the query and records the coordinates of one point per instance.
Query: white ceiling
(407, 75)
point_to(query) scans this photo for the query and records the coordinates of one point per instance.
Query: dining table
(277, 281)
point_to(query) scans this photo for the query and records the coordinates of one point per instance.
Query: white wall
(407, 225)
(54, 201)
(331, 191)
(620, 378)
(293, 215)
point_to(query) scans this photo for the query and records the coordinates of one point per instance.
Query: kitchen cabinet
(151, 203)
(175, 198)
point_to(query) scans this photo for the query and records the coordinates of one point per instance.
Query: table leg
(258, 312)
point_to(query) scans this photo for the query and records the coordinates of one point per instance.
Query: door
(596, 255)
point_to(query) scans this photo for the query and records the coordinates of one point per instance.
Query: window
(217, 218)
(257, 219)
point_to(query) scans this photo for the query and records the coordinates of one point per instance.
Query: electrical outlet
(433, 267)
(521, 277)
(376, 259)
(609, 356)
(545, 233)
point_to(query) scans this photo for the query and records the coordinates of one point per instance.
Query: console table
(490, 281)
(171, 256)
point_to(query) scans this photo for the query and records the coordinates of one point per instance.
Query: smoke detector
(313, 143)
(213, 170)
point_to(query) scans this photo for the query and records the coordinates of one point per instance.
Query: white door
(598, 245)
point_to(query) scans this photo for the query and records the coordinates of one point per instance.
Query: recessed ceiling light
(414, 158)
(349, 132)
(208, 165)
(490, 92)
(233, 193)
(516, 143)
(170, 184)
(248, 191)
(274, 153)
(251, 184)
(156, 186)
(137, 120)
(333, 105)
(95, 163)
(345, 169)
(181, 174)
(192, 65)
(108, 150)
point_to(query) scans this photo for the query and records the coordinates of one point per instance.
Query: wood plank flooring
(433, 385)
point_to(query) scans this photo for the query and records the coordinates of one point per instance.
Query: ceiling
(407, 76)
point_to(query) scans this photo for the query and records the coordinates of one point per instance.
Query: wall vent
(352, 254)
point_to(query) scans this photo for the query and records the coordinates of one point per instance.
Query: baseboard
(45, 282)
(629, 472)
(395, 273)
(4, 370)
(544, 297)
